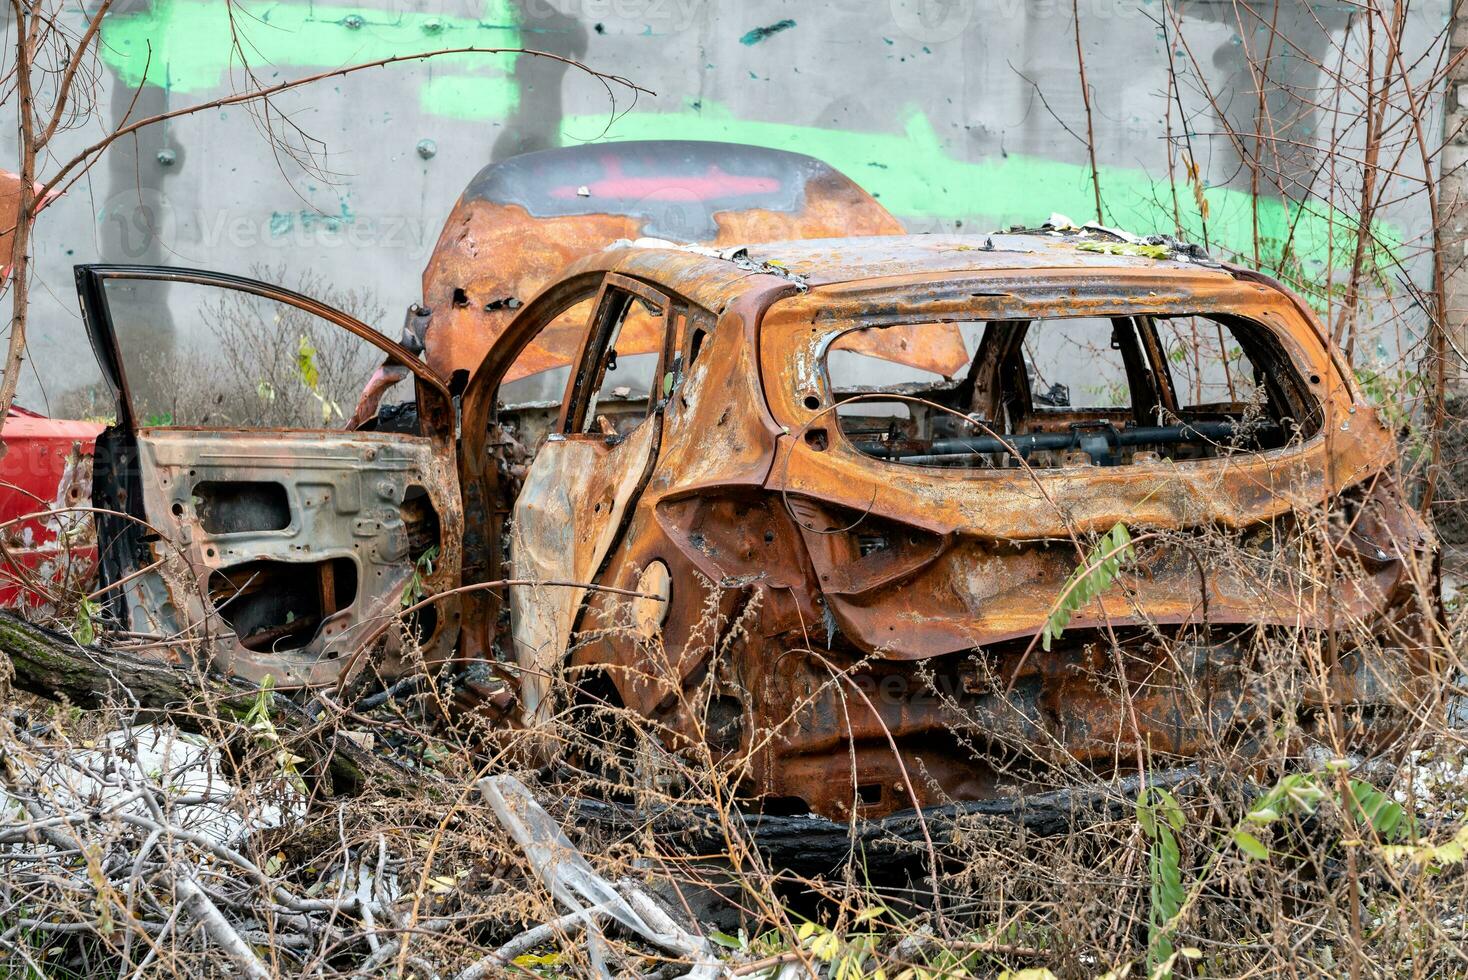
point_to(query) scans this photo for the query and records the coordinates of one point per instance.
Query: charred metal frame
(860, 605)
(740, 499)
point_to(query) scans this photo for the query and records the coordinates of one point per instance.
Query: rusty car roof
(711, 277)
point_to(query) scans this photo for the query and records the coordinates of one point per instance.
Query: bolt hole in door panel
(264, 538)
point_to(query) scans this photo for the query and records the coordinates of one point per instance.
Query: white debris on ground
(1436, 783)
(148, 820)
(186, 769)
(588, 897)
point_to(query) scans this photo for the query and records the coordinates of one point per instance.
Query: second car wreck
(808, 506)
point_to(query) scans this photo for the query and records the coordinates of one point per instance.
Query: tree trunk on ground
(53, 665)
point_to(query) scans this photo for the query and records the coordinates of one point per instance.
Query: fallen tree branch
(568, 925)
(53, 665)
(192, 897)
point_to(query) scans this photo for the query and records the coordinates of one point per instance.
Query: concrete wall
(955, 113)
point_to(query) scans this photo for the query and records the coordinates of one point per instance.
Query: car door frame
(91, 282)
(485, 558)
(118, 482)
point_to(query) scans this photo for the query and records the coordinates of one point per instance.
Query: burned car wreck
(808, 506)
(849, 450)
(257, 536)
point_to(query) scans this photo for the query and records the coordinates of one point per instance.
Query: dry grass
(413, 873)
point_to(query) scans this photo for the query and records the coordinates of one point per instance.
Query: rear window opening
(1071, 391)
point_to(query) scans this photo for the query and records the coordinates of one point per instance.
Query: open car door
(582, 486)
(243, 526)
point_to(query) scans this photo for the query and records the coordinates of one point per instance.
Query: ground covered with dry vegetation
(394, 833)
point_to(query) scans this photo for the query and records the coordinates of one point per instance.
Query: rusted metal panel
(280, 552)
(1003, 519)
(293, 593)
(566, 518)
(803, 653)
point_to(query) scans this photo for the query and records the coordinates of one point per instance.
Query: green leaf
(537, 959)
(1375, 809)
(1170, 807)
(1251, 845)
(1090, 579)
(84, 626)
(306, 368)
(1159, 815)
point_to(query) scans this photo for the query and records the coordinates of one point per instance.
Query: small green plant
(414, 591)
(310, 376)
(84, 623)
(1300, 794)
(258, 720)
(306, 368)
(1090, 579)
(1434, 857)
(1161, 819)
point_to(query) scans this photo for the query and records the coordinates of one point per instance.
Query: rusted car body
(850, 596)
(262, 550)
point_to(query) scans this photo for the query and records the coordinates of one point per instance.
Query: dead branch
(32, 142)
(53, 664)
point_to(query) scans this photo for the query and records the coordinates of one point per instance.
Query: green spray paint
(281, 222)
(913, 175)
(757, 34)
(467, 96)
(187, 46)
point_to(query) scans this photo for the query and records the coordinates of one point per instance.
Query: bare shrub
(258, 363)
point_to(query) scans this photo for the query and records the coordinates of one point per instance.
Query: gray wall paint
(933, 104)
